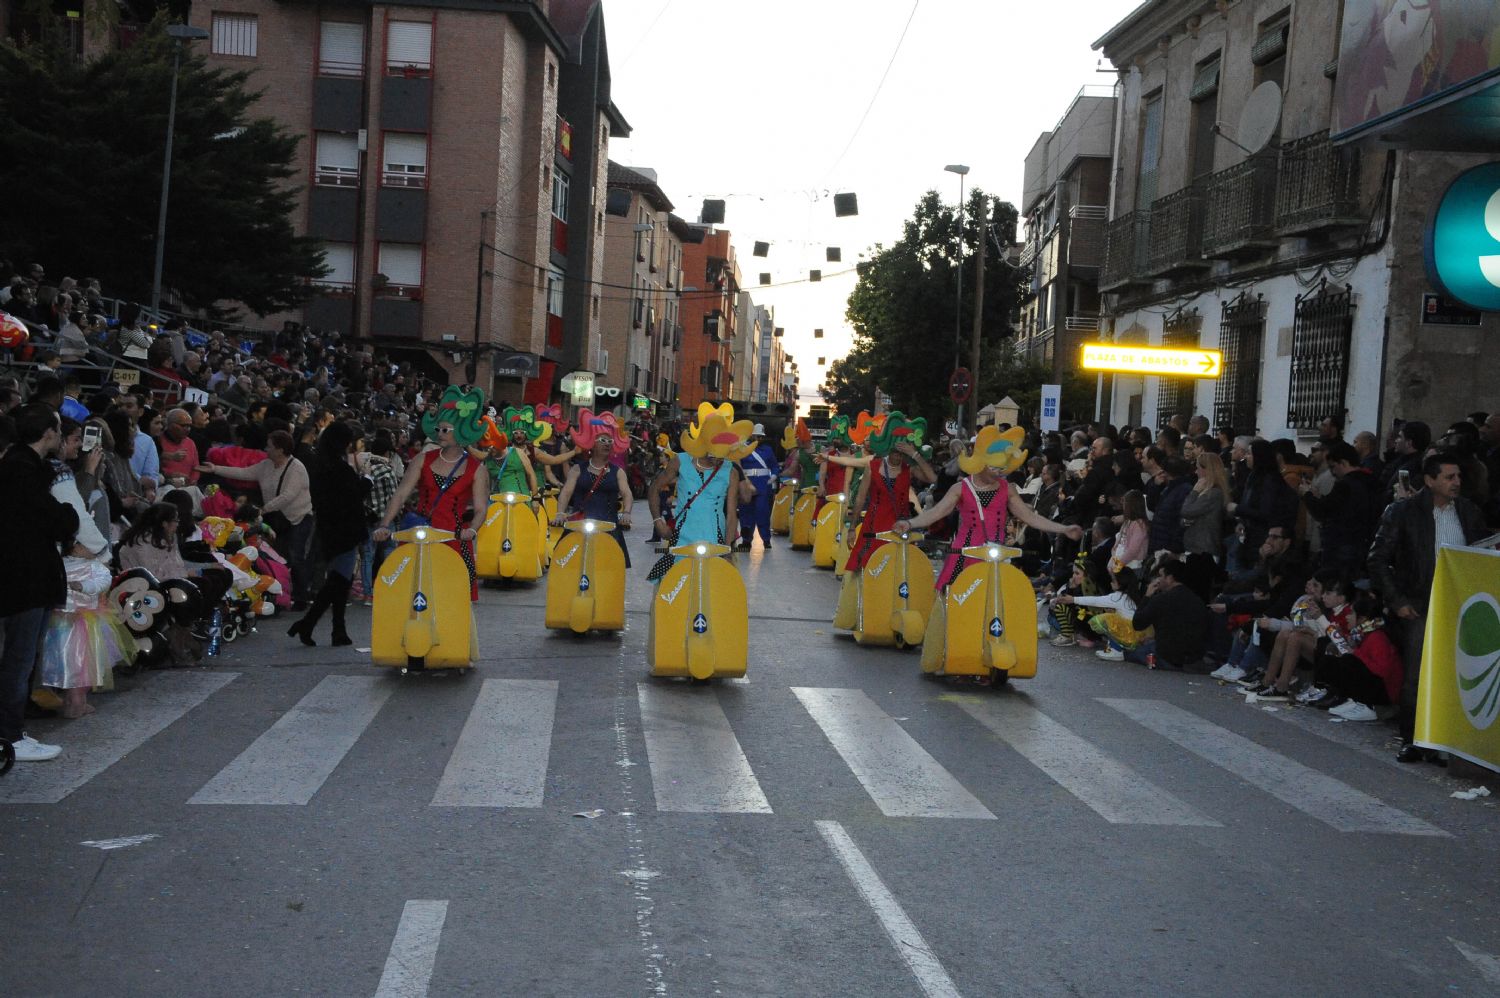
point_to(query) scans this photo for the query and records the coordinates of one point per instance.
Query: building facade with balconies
(1064, 203)
(639, 319)
(1237, 223)
(709, 311)
(452, 151)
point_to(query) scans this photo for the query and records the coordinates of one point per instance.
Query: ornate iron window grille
(1242, 330)
(1321, 336)
(1176, 396)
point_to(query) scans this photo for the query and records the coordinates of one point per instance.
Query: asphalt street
(290, 820)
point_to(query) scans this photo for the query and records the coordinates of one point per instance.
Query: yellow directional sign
(1175, 363)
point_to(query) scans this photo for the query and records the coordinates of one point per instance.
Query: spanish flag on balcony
(565, 139)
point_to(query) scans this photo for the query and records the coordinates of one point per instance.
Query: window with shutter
(339, 257)
(337, 160)
(341, 49)
(405, 160)
(401, 263)
(408, 47)
(235, 34)
(1271, 43)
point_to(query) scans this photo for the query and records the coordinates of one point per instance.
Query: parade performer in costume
(799, 462)
(452, 488)
(833, 475)
(885, 487)
(706, 480)
(505, 450)
(85, 638)
(983, 500)
(759, 468)
(597, 488)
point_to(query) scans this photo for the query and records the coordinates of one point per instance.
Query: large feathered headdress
(593, 425)
(716, 433)
(461, 407)
(894, 429)
(993, 449)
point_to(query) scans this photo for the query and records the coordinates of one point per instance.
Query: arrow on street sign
(1165, 361)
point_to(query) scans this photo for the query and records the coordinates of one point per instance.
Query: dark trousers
(23, 633)
(1409, 635)
(755, 517)
(299, 558)
(1346, 674)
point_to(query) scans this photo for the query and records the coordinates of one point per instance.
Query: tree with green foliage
(82, 145)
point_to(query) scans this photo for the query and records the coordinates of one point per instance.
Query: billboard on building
(1400, 58)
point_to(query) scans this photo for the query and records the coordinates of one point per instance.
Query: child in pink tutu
(85, 638)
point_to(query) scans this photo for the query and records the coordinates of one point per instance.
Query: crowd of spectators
(1302, 575)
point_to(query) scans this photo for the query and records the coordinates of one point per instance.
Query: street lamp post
(180, 33)
(958, 310)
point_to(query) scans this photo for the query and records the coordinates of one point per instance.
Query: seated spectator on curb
(1314, 622)
(1179, 618)
(179, 455)
(1354, 676)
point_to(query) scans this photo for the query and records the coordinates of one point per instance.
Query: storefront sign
(580, 387)
(515, 365)
(1051, 404)
(1172, 363)
(1463, 241)
(1439, 311)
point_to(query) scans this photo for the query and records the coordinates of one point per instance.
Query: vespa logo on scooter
(583, 583)
(700, 624)
(419, 602)
(903, 590)
(996, 628)
(505, 546)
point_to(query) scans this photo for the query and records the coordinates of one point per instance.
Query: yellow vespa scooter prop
(509, 544)
(586, 586)
(423, 619)
(986, 625)
(700, 624)
(781, 507)
(889, 602)
(828, 531)
(802, 518)
(550, 535)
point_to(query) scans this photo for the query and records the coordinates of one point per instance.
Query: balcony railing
(1239, 208)
(1086, 223)
(1084, 322)
(1028, 253)
(1125, 241)
(1176, 233)
(1319, 186)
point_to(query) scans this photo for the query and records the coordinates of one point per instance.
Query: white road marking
(123, 843)
(697, 764)
(124, 723)
(289, 763)
(912, 948)
(898, 774)
(501, 756)
(1118, 793)
(1320, 796)
(1487, 965)
(408, 968)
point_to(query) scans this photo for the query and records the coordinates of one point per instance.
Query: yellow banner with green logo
(1458, 698)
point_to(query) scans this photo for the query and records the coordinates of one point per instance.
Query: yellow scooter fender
(984, 620)
(586, 586)
(699, 618)
(551, 535)
(422, 611)
(509, 544)
(828, 531)
(802, 518)
(781, 508)
(841, 545)
(897, 593)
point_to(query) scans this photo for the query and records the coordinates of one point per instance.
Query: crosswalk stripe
(413, 955)
(696, 762)
(501, 756)
(1320, 796)
(912, 948)
(897, 773)
(1114, 790)
(292, 759)
(125, 721)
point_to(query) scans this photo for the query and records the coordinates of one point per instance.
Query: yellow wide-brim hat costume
(993, 449)
(716, 433)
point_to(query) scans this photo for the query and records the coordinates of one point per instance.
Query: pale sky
(756, 102)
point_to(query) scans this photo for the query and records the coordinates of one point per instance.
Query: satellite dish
(1260, 117)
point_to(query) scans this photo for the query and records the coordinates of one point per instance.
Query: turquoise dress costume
(700, 508)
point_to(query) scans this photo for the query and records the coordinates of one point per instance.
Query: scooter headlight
(703, 549)
(588, 526)
(994, 553)
(421, 533)
(510, 497)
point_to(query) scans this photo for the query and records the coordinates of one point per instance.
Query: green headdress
(838, 432)
(523, 420)
(462, 407)
(896, 429)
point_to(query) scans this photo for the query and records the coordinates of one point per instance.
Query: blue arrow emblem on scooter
(505, 546)
(583, 583)
(903, 590)
(419, 602)
(996, 628)
(700, 624)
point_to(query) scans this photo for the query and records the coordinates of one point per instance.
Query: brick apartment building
(712, 279)
(454, 155)
(640, 322)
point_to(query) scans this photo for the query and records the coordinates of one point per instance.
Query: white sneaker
(1353, 710)
(1062, 641)
(28, 749)
(1233, 674)
(1110, 654)
(1311, 693)
(1222, 672)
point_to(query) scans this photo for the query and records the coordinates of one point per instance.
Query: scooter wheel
(229, 631)
(7, 756)
(999, 678)
(900, 643)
